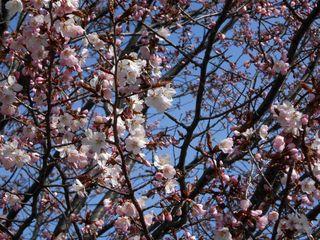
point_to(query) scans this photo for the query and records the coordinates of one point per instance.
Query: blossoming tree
(159, 119)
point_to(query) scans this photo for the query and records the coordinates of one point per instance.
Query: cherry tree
(160, 119)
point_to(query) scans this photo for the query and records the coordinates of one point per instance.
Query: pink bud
(168, 217)
(158, 176)
(304, 120)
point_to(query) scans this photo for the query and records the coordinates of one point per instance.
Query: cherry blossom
(95, 140)
(308, 186)
(160, 98)
(298, 223)
(281, 67)
(226, 145)
(278, 143)
(288, 117)
(245, 204)
(263, 132)
(171, 186)
(129, 71)
(161, 161)
(127, 209)
(163, 33)
(69, 58)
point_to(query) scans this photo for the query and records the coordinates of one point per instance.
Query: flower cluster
(129, 71)
(12, 155)
(160, 98)
(8, 91)
(167, 171)
(288, 117)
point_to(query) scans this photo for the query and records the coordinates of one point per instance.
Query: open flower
(96, 141)
(130, 70)
(263, 132)
(135, 143)
(289, 118)
(281, 67)
(160, 98)
(278, 143)
(168, 171)
(226, 145)
(308, 186)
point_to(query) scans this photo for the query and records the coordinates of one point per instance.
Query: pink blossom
(68, 57)
(281, 67)
(158, 176)
(256, 213)
(245, 204)
(262, 222)
(278, 143)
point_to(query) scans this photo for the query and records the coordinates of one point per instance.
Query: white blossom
(171, 186)
(128, 71)
(95, 140)
(13, 156)
(263, 132)
(288, 117)
(95, 41)
(226, 145)
(137, 104)
(160, 98)
(135, 143)
(161, 161)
